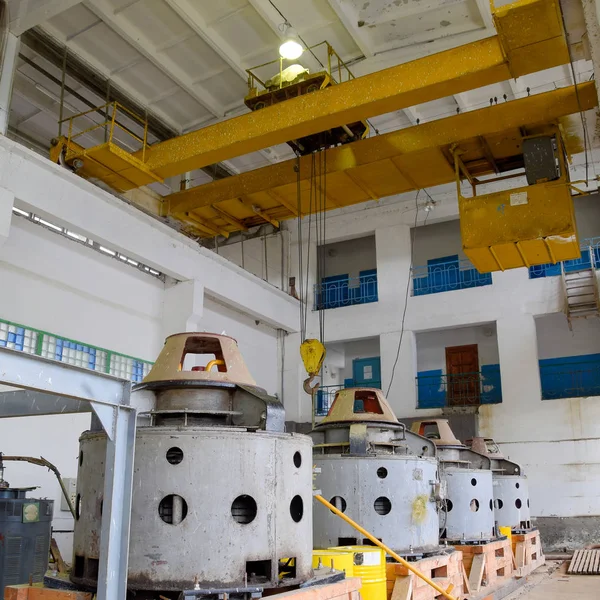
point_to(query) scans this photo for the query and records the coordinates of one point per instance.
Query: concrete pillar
(520, 376)
(403, 393)
(183, 307)
(7, 73)
(7, 200)
(393, 245)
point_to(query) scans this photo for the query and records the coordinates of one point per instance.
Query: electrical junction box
(70, 484)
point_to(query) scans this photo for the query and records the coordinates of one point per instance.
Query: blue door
(366, 372)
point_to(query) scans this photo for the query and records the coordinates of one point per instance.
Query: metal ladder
(582, 297)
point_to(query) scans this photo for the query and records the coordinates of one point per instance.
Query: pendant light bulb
(290, 48)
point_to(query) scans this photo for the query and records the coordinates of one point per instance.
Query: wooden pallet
(585, 562)
(487, 564)
(527, 549)
(444, 569)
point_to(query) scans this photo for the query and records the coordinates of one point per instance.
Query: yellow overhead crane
(487, 141)
(530, 38)
(523, 227)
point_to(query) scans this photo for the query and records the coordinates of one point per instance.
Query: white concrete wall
(431, 345)
(555, 340)
(436, 241)
(349, 256)
(56, 285)
(339, 358)
(262, 256)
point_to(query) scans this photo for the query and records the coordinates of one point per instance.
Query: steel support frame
(50, 381)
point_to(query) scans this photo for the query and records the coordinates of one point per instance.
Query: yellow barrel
(369, 565)
(507, 531)
(341, 560)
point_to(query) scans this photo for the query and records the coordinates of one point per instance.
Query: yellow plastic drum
(369, 565)
(507, 531)
(341, 560)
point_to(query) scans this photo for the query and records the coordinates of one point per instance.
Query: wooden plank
(520, 557)
(61, 567)
(467, 587)
(574, 562)
(476, 575)
(403, 588)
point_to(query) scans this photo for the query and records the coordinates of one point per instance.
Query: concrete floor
(552, 583)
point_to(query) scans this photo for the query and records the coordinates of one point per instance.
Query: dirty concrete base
(566, 534)
(551, 582)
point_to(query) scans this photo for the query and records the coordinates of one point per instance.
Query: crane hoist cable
(312, 350)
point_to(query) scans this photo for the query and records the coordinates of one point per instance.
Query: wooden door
(462, 372)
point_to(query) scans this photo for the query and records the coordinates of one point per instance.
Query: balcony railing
(590, 251)
(570, 377)
(447, 276)
(437, 389)
(341, 290)
(326, 395)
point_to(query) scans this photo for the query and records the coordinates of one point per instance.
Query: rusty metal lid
(485, 446)
(359, 405)
(200, 357)
(437, 430)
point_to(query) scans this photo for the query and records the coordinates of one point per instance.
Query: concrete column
(183, 307)
(519, 371)
(393, 245)
(7, 73)
(403, 394)
(7, 200)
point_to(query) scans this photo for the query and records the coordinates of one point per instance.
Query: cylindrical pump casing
(391, 496)
(243, 499)
(469, 508)
(511, 501)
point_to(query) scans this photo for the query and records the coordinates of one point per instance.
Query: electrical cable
(412, 243)
(300, 272)
(586, 140)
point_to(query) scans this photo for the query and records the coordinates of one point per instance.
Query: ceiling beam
(184, 8)
(350, 22)
(23, 17)
(143, 44)
(93, 78)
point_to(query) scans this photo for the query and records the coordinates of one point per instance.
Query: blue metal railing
(590, 251)
(446, 276)
(570, 377)
(326, 395)
(341, 290)
(436, 389)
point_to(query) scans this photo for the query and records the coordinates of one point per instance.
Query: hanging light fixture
(290, 48)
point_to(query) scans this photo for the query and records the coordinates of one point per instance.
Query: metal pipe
(214, 362)
(62, 91)
(396, 557)
(42, 462)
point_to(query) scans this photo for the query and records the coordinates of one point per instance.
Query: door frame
(453, 399)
